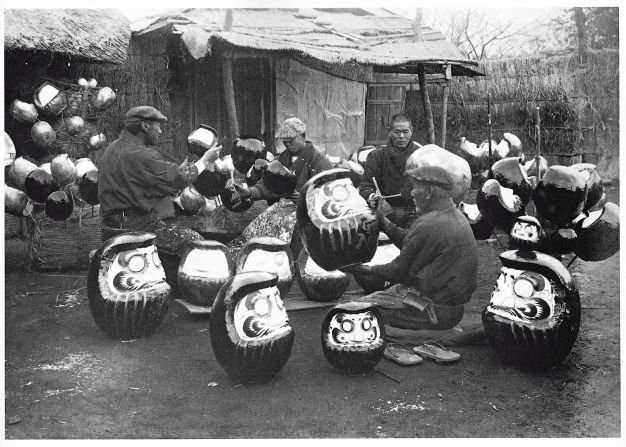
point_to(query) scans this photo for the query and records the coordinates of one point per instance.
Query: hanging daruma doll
(353, 337)
(204, 268)
(250, 332)
(128, 295)
(337, 226)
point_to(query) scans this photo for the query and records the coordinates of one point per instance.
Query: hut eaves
(374, 37)
(98, 35)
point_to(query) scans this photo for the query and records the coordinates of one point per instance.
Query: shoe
(437, 352)
(401, 355)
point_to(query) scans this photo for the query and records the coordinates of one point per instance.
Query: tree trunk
(444, 115)
(581, 27)
(229, 96)
(428, 113)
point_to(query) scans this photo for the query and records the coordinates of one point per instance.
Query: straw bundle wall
(578, 106)
(58, 245)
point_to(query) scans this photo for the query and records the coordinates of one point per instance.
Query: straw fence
(578, 107)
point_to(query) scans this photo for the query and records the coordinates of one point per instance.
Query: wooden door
(381, 103)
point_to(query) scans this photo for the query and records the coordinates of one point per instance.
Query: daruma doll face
(137, 269)
(359, 329)
(261, 315)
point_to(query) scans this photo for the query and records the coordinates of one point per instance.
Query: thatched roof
(336, 36)
(99, 35)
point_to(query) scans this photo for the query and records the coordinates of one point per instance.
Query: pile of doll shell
(248, 162)
(572, 215)
(56, 186)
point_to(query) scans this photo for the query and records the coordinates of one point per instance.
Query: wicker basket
(58, 245)
(14, 227)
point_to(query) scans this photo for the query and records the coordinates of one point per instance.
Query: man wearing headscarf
(386, 165)
(435, 272)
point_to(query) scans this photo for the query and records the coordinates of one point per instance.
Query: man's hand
(373, 200)
(295, 196)
(209, 157)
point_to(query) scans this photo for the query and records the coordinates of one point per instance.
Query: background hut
(345, 72)
(56, 45)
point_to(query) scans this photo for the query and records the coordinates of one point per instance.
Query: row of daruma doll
(56, 185)
(249, 328)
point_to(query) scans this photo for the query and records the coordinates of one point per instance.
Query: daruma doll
(128, 295)
(337, 226)
(353, 337)
(319, 284)
(204, 268)
(268, 254)
(249, 328)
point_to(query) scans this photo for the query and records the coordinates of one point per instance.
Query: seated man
(386, 165)
(435, 272)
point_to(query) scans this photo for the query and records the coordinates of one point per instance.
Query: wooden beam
(426, 103)
(444, 115)
(229, 95)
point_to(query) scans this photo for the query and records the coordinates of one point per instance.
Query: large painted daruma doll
(250, 332)
(128, 295)
(204, 268)
(319, 284)
(533, 317)
(337, 226)
(268, 254)
(353, 337)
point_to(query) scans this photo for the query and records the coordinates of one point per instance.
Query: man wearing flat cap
(136, 181)
(435, 272)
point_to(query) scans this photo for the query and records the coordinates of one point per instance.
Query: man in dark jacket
(134, 179)
(435, 272)
(386, 165)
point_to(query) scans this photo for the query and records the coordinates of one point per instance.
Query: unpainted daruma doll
(268, 254)
(204, 268)
(319, 284)
(128, 295)
(337, 226)
(353, 337)
(249, 328)
(385, 253)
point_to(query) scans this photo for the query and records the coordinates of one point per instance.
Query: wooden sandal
(437, 352)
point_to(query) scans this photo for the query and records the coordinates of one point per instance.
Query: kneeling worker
(435, 272)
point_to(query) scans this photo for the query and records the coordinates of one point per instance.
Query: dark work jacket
(136, 177)
(438, 255)
(387, 164)
(309, 162)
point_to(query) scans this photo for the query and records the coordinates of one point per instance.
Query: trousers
(405, 307)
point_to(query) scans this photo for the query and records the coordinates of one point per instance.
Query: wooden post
(489, 125)
(426, 103)
(444, 115)
(538, 133)
(229, 95)
(583, 43)
(417, 25)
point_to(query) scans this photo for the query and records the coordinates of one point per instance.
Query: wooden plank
(229, 96)
(426, 103)
(444, 115)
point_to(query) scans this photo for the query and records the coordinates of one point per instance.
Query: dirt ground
(66, 379)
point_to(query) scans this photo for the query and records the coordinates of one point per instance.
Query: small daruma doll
(204, 268)
(250, 332)
(336, 225)
(353, 337)
(128, 295)
(526, 233)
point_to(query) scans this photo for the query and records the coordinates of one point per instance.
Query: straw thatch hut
(345, 72)
(56, 45)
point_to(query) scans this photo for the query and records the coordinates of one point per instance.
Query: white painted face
(523, 296)
(526, 231)
(206, 263)
(312, 269)
(261, 315)
(268, 261)
(384, 254)
(134, 270)
(336, 200)
(347, 329)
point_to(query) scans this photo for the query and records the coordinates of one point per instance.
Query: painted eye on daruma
(366, 324)
(340, 193)
(347, 326)
(262, 306)
(523, 287)
(156, 259)
(136, 263)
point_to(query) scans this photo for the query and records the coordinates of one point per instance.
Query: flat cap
(143, 113)
(291, 128)
(435, 175)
